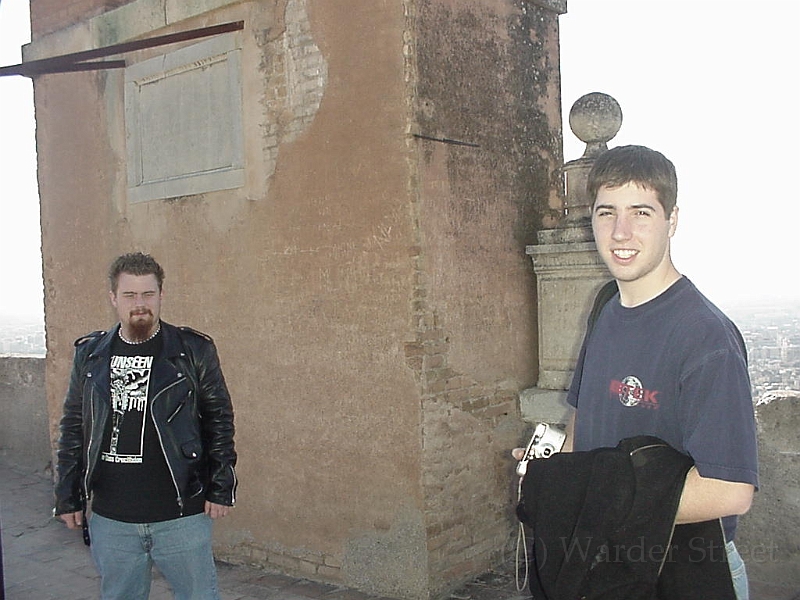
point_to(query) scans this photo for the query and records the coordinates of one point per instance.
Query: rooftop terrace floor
(43, 560)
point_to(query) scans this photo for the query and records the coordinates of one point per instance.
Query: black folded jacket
(603, 527)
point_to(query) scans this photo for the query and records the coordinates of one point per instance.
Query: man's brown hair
(134, 263)
(639, 165)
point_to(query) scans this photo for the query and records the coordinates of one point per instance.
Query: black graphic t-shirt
(132, 481)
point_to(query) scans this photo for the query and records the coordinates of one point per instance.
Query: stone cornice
(128, 22)
(557, 6)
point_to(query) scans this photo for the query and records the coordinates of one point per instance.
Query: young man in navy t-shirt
(661, 359)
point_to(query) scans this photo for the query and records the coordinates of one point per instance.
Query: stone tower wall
(364, 277)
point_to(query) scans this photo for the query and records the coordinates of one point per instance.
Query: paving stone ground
(43, 560)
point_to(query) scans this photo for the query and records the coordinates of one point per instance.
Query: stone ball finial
(595, 119)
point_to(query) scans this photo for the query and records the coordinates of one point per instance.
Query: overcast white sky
(20, 246)
(713, 84)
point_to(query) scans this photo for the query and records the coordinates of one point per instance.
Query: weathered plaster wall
(368, 290)
(51, 15)
(303, 277)
(335, 445)
(487, 75)
(76, 172)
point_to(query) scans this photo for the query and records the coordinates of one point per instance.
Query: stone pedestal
(537, 405)
(569, 272)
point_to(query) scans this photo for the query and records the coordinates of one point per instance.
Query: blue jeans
(181, 549)
(738, 572)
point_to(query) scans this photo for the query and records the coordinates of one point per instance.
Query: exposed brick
(414, 349)
(497, 410)
(506, 396)
(486, 545)
(415, 363)
(433, 529)
(437, 542)
(445, 373)
(286, 562)
(436, 387)
(332, 562)
(311, 557)
(330, 573)
(434, 335)
(438, 347)
(476, 404)
(258, 555)
(434, 361)
(424, 322)
(460, 382)
(460, 397)
(308, 569)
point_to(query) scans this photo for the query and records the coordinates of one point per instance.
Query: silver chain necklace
(155, 333)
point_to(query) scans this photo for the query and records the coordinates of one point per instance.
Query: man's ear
(113, 298)
(673, 221)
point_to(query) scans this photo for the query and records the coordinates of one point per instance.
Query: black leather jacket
(191, 409)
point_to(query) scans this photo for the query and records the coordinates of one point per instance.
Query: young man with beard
(147, 442)
(661, 360)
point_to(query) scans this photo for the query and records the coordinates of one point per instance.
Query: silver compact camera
(545, 442)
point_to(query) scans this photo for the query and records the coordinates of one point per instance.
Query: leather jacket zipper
(86, 493)
(669, 546)
(179, 499)
(175, 412)
(233, 488)
(648, 447)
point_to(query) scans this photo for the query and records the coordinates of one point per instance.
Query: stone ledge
(538, 405)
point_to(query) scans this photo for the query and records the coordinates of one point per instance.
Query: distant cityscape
(772, 334)
(21, 336)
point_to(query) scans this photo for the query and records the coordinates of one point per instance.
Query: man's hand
(519, 453)
(73, 520)
(217, 511)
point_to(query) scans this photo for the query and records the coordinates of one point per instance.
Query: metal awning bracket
(85, 60)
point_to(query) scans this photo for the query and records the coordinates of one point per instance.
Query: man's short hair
(639, 165)
(135, 263)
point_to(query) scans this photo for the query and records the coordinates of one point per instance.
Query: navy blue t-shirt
(676, 368)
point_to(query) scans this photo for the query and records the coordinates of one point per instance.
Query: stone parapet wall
(767, 536)
(24, 439)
